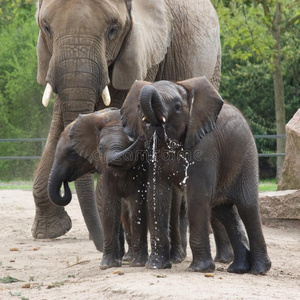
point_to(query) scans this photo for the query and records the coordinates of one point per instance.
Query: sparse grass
(16, 185)
(23, 185)
(9, 279)
(55, 284)
(268, 185)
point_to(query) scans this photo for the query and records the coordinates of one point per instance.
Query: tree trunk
(278, 90)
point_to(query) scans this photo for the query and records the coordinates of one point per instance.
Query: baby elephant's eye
(73, 156)
(177, 107)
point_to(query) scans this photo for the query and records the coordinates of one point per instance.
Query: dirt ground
(68, 267)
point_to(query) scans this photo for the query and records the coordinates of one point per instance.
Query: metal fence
(43, 142)
(29, 140)
(271, 136)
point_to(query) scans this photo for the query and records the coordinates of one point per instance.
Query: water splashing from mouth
(154, 161)
(154, 148)
(187, 164)
(172, 145)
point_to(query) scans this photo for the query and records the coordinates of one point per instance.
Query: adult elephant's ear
(146, 44)
(130, 114)
(205, 106)
(85, 133)
(43, 52)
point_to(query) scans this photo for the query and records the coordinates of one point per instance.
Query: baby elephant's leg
(229, 217)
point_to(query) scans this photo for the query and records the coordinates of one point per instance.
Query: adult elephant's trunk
(54, 184)
(86, 196)
(152, 105)
(78, 73)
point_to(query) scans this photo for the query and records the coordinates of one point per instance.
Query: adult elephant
(200, 141)
(86, 46)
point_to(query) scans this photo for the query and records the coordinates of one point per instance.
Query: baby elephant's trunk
(152, 105)
(54, 185)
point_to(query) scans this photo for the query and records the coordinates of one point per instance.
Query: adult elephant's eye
(46, 28)
(112, 32)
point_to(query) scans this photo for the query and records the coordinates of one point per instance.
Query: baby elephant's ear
(205, 106)
(85, 134)
(130, 116)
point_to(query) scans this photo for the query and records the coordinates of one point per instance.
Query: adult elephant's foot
(260, 265)
(204, 266)
(110, 261)
(158, 262)
(177, 254)
(50, 223)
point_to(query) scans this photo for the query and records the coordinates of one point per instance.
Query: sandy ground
(68, 267)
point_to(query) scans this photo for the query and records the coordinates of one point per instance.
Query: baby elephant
(206, 145)
(95, 142)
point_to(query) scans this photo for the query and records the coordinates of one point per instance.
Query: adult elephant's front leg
(50, 221)
(159, 196)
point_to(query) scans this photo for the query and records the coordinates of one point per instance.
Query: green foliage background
(246, 76)
(21, 112)
(247, 50)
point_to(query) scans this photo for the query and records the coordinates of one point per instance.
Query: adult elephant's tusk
(106, 96)
(47, 95)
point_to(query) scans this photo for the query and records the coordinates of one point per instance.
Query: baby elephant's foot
(128, 255)
(110, 261)
(224, 255)
(177, 255)
(204, 266)
(158, 262)
(139, 260)
(241, 263)
(260, 266)
(239, 267)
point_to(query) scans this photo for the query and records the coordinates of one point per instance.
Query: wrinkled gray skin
(84, 46)
(222, 176)
(94, 142)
